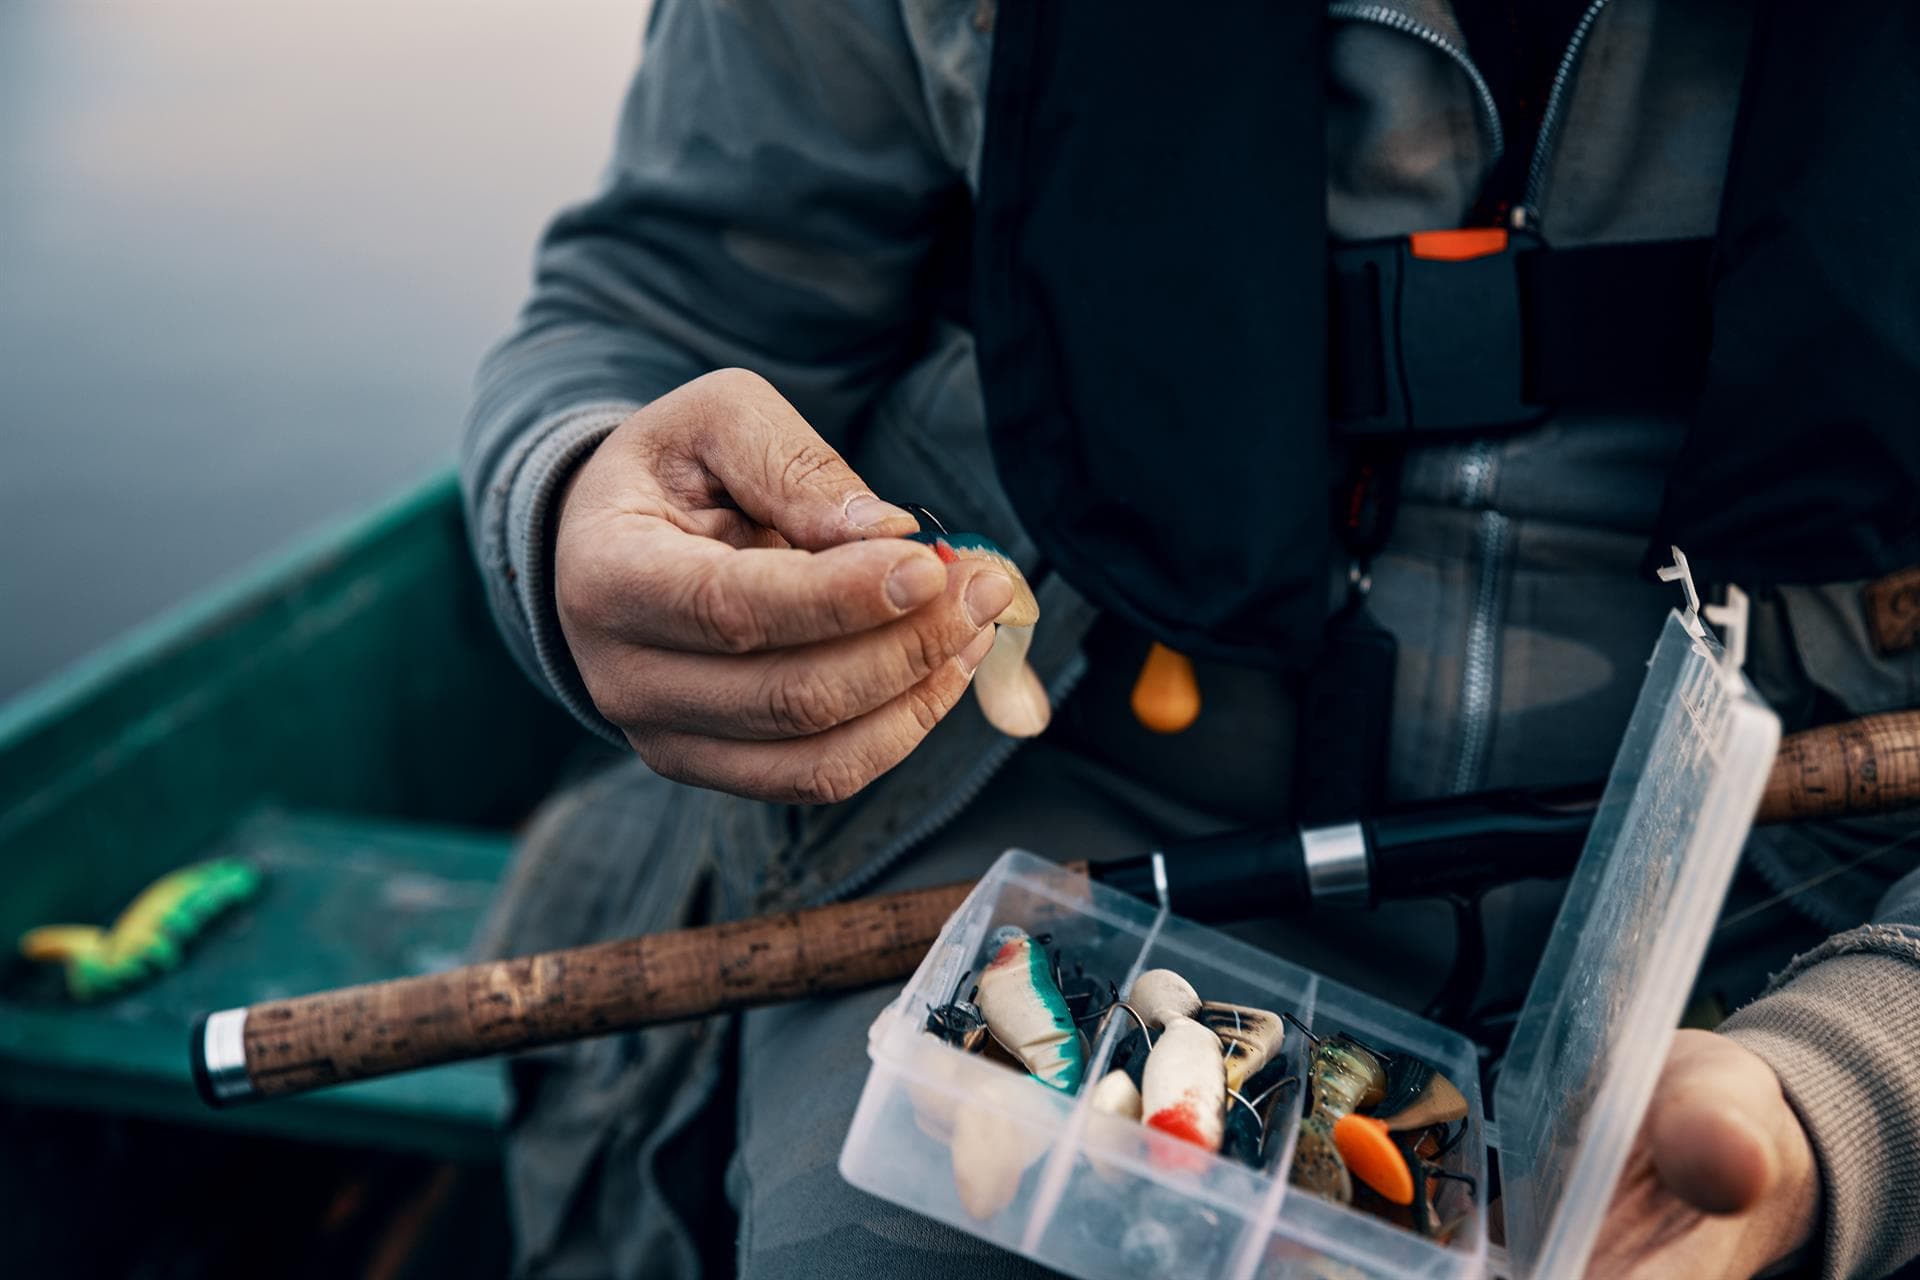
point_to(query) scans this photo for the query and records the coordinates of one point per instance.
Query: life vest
(1172, 361)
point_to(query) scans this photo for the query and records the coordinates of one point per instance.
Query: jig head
(960, 1023)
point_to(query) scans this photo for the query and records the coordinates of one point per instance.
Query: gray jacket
(778, 181)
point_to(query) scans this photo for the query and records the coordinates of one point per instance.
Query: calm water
(249, 257)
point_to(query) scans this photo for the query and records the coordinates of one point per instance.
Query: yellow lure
(150, 935)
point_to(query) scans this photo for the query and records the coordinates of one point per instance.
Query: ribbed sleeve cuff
(1842, 1031)
(517, 548)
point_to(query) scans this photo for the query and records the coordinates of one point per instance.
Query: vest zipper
(972, 783)
(1528, 213)
(1381, 15)
(1479, 671)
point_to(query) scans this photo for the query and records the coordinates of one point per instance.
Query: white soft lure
(1161, 995)
(1183, 1091)
(1116, 1095)
(1008, 690)
(992, 1149)
(1027, 1014)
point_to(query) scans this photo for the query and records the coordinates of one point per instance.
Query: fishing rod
(1457, 847)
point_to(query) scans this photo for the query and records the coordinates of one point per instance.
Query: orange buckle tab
(1459, 245)
(1166, 696)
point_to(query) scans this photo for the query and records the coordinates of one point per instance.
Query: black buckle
(1419, 343)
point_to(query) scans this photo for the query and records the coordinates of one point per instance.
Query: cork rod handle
(290, 1046)
(1860, 766)
(285, 1047)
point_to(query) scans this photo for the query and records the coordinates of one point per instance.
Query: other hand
(745, 609)
(1721, 1181)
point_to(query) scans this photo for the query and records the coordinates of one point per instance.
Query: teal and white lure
(1023, 610)
(1027, 1014)
(1009, 692)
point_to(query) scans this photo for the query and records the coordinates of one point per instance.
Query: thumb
(778, 470)
(1712, 1125)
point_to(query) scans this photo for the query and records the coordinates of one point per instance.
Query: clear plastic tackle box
(1098, 1198)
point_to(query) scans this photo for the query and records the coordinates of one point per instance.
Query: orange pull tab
(1166, 697)
(1462, 244)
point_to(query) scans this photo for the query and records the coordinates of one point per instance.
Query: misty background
(250, 256)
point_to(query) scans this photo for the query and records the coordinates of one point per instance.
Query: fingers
(797, 692)
(775, 466)
(1712, 1155)
(827, 767)
(652, 584)
(1713, 1125)
(1721, 1182)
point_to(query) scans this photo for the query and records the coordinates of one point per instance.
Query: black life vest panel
(1150, 307)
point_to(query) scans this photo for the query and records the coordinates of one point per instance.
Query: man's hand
(1721, 1182)
(716, 585)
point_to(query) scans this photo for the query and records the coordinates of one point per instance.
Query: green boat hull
(346, 718)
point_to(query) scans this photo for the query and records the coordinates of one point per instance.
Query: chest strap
(1482, 329)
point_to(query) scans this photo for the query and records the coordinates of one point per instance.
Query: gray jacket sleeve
(775, 191)
(1841, 1028)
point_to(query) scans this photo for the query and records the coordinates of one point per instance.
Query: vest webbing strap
(1497, 340)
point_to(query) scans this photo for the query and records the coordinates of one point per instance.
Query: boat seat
(345, 716)
(343, 900)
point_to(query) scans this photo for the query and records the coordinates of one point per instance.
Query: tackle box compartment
(1104, 1197)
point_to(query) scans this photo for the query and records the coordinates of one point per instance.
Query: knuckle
(734, 382)
(804, 464)
(669, 764)
(582, 593)
(928, 705)
(842, 610)
(926, 648)
(832, 779)
(801, 703)
(615, 706)
(620, 698)
(724, 618)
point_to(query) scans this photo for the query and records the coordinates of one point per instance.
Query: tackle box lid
(1627, 945)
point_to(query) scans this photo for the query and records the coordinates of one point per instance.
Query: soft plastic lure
(1024, 610)
(1371, 1155)
(992, 1147)
(1249, 1038)
(1008, 690)
(1346, 1076)
(1184, 1091)
(1158, 996)
(150, 935)
(1026, 1012)
(1117, 1095)
(1418, 1097)
(1378, 1122)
